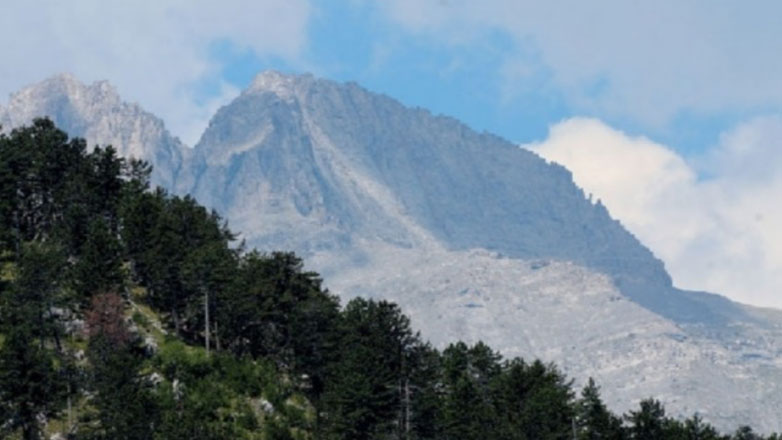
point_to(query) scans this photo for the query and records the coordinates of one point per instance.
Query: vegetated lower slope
(370, 192)
(127, 314)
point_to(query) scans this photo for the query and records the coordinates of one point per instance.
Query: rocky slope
(573, 316)
(474, 237)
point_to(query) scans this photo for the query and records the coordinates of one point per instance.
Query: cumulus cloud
(155, 52)
(719, 234)
(645, 61)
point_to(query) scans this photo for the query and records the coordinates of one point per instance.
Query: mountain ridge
(97, 113)
(304, 104)
(471, 235)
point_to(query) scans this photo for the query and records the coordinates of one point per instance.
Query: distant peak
(273, 77)
(61, 81)
(64, 77)
(68, 84)
(282, 84)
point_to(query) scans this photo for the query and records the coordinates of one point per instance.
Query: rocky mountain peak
(60, 82)
(96, 113)
(59, 97)
(285, 86)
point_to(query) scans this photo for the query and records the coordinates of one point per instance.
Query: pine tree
(40, 166)
(694, 428)
(99, 265)
(648, 423)
(534, 401)
(208, 271)
(275, 309)
(30, 383)
(32, 371)
(423, 394)
(593, 419)
(364, 393)
(468, 378)
(745, 433)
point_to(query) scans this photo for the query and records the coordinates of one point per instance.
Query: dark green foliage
(422, 394)
(535, 400)
(105, 185)
(33, 374)
(648, 422)
(194, 402)
(695, 428)
(124, 407)
(180, 251)
(593, 420)
(40, 166)
(124, 403)
(365, 388)
(51, 188)
(274, 309)
(98, 268)
(30, 384)
(745, 433)
(468, 374)
(36, 299)
(207, 272)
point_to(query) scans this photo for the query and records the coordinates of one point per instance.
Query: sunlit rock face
(475, 238)
(370, 168)
(97, 113)
(315, 165)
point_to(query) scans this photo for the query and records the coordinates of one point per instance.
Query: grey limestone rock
(97, 113)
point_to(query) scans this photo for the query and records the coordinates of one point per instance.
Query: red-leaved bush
(106, 318)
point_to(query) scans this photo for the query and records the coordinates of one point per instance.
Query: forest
(130, 313)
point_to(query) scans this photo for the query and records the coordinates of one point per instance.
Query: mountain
(310, 164)
(97, 113)
(395, 202)
(474, 237)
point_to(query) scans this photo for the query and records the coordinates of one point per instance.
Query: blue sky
(669, 111)
(679, 72)
(472, 78)
(349, 42)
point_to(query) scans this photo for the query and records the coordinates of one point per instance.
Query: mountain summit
(476, 238)
(308, 164)
(286, 87)
(98, 114)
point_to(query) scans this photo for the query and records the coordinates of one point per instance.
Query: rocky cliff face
(475, 238)
(312, 165)
(97, 113)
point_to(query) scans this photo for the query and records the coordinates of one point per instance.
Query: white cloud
(646, 61)
(155, 52)
(721, 234)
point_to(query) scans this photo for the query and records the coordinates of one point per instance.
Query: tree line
(130, 313)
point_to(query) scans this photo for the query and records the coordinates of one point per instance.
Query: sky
(669, 112)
